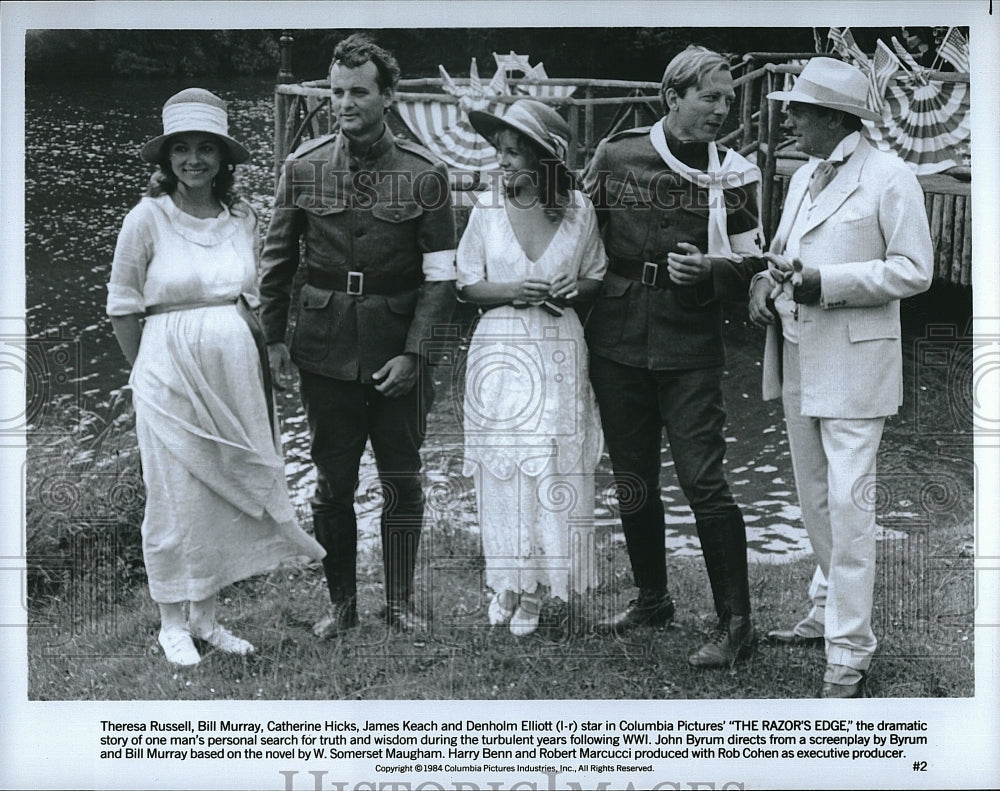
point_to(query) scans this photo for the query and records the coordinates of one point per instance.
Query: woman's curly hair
(164, 180)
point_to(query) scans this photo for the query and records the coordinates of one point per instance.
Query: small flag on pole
(955, 50)
(845, 46)
(884, 65)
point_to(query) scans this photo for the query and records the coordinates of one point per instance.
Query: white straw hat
(194, 110)
(827, 82)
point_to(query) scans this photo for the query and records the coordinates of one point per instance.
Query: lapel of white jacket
(793, 199)
(844, 184)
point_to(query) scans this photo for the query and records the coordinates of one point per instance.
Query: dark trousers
(636, 404)
(342, 417)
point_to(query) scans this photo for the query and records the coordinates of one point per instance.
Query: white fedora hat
(827, 82)
(194, 110)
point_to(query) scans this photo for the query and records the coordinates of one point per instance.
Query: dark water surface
(83, 174)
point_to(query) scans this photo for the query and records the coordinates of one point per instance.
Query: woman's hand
(532, 290)
(564, 287)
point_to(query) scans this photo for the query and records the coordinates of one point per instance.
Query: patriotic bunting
(924, 121)
(444, 127)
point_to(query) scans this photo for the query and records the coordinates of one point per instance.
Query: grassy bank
(113, 655)
(92, 633)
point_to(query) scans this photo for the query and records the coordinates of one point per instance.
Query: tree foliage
(609, 52)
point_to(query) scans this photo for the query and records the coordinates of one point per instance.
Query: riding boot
(723, 543)
(338, 534)
(400, 541)
(645, 539)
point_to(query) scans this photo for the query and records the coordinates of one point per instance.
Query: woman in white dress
(217, 507)
(530, 252)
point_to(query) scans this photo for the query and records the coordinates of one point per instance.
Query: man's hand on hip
(280, 363)
(397, 377)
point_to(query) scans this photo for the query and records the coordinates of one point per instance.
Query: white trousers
(834, 460)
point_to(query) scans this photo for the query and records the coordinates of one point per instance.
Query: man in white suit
(853, 240)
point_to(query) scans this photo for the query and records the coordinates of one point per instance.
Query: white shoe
(178, 647)
(499, 612)
(525, 618)
(224, 640)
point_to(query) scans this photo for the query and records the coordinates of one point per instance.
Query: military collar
(693, 154)
(376, 151)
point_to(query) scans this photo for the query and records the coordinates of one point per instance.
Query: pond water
(83, 174)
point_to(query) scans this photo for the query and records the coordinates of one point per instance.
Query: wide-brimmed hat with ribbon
(194, 110)
(534, 120)
(827, 82)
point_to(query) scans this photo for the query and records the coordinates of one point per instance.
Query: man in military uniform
(375, 215)
(681, 229)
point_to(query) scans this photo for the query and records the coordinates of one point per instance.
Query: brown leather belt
(358, 283)
(645, 272)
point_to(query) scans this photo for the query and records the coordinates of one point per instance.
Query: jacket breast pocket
(397, 213)
(630, 212)
(320, 204)
(315, 323)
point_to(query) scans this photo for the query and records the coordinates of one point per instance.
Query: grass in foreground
(923, 619)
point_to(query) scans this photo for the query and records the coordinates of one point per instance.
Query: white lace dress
(217, 507)
(532, 430)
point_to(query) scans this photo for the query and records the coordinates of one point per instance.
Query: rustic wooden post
(283, 103)
(588, 125)
(574, 136)
(746, 108)
(768, 126)
(285, 73)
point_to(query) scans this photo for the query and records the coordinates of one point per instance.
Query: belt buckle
(355, 283)
(649, 272)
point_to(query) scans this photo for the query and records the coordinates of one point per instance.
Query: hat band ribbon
(823, 94)
(534, 127)
(194, 116)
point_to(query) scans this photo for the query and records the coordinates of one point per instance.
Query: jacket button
(359, 232)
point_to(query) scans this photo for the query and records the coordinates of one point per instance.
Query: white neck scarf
(734, 171)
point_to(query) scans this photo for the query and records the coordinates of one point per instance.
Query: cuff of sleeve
(440, 265)
(124, 301)
(765, 275)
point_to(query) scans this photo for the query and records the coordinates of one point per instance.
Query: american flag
(908, 60)
(884, 65)
(955, 49)
(845, 46)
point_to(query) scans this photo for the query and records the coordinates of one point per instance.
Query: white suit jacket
(868, 235)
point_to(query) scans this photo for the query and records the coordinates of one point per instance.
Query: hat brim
(488, 125)
(153, 150)
(852, 109)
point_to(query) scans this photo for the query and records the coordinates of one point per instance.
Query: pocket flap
(320, 205)
(403, 303)
(399, 212)
(871, 328)
(314, 298)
